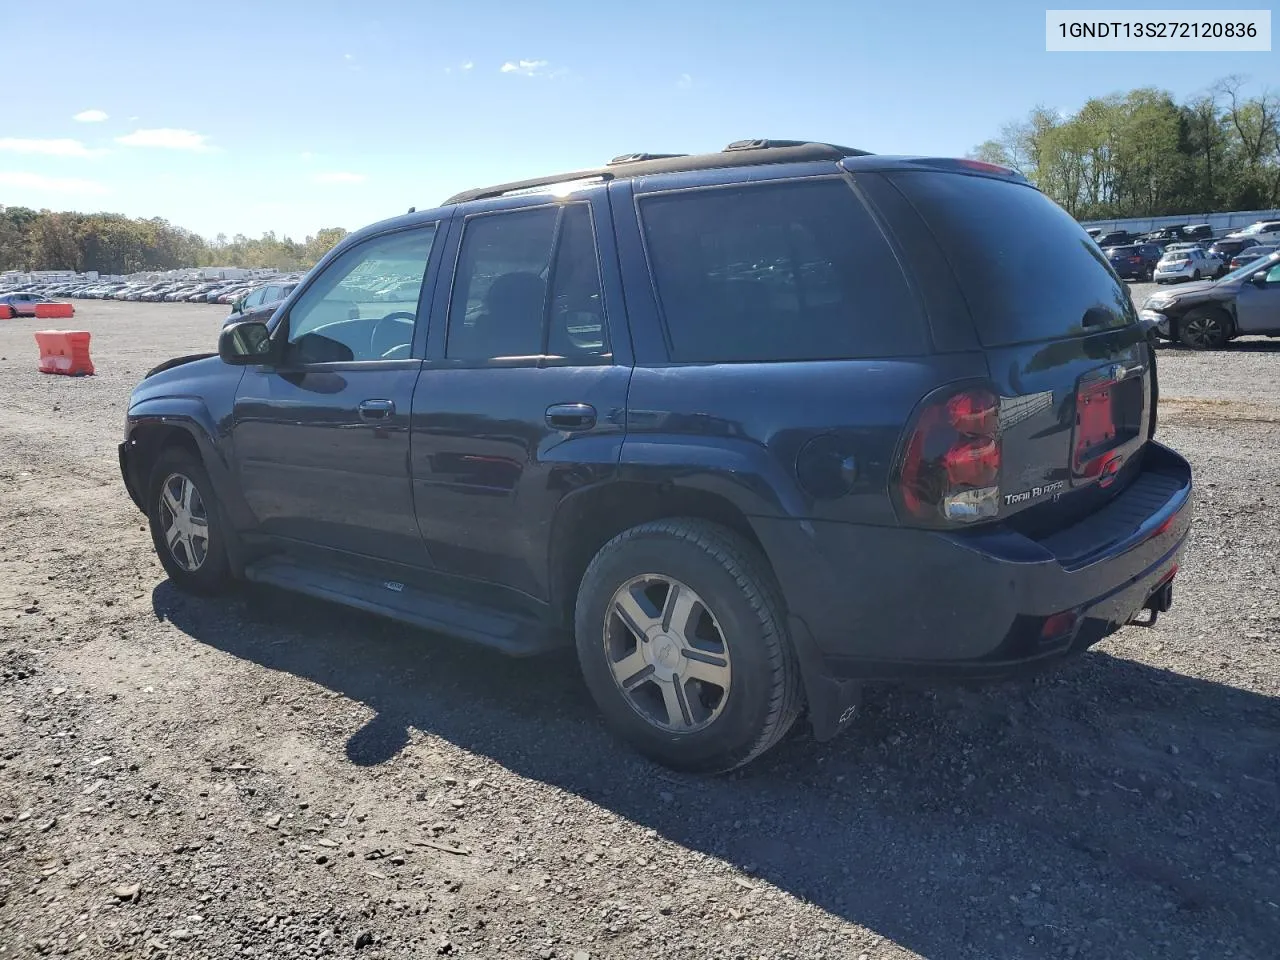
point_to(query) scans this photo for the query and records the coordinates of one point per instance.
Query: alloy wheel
(1202, 332)
(667, 653)
(185, 522)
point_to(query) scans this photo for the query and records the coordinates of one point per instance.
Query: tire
(736, 618)
(1149, 274)
(191, 568)
(1195, 275)
(1204, 329)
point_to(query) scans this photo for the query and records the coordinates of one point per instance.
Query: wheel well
(153, 439)
(595, 517)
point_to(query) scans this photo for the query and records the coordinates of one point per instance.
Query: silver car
(1189, 263)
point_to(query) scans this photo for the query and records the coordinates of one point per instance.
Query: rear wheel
(1149, 274)
(682, 639)
(185, 523)
(1195, 274)
(1204, 329)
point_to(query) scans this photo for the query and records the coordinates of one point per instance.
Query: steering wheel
(399, 346)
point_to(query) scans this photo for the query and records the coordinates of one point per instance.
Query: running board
(513, 635)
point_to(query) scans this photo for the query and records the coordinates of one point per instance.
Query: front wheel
(1195, 275)
(185, 523)
(1204, 330)
(682, 640)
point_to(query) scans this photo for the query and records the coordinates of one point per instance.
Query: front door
(521, 400)
(321, 442)
(1258, 305)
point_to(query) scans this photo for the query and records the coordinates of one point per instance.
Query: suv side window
(254, 299)
(527, 284)
(340, 317)
(271, 295)
(794, 270)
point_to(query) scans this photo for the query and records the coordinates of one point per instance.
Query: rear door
(522, 397)
(1061, 335)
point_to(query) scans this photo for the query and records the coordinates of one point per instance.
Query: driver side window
(1273, 275)
(365, 304)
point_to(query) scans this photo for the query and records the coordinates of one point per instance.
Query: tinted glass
(500, 288)
(1028, 270)
(576, 323)
(1121, 251)
(782, 271)
(344, 314)
(272, 295)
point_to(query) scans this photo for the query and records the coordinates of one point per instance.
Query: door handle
(571, 416)
(377, 409)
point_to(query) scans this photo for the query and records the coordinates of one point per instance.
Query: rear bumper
(895, 603)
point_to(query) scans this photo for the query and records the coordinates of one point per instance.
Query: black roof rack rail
(741, 153)
(637, 157)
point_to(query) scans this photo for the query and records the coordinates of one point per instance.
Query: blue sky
(286, 115)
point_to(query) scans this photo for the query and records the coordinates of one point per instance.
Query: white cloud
(685, 81)
(468, 65)
(36, 181)
(528, 68)
(339, 176)
(167, 139)
(49, 148)
(90, 116)
(348, 56)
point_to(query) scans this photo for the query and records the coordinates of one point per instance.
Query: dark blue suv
(750, 428)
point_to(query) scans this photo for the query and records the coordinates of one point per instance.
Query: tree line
(113, 244)
(1143, 154)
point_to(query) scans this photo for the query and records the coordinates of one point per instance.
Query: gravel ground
(263, 776)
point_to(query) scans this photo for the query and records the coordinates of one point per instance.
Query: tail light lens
(950, 466)
(1135, 259)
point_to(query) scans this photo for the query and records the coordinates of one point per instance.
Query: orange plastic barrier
(64, 351)
(6, 312)
(53, 311)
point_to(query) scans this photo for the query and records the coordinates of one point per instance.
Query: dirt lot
(263, 776)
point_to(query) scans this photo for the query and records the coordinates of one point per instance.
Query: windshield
(1250, 268)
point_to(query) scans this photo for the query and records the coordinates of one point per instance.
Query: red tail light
(950, 468)
(1135, 259)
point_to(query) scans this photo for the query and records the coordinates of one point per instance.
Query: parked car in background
(1094, 232)
(1197, 231)
(1167, 234)
(1257, 229)
(260, 303)
(1206, 316)
(1250, 254)
(1191, 262)
(659, 417)
(1224, 249)
(1135, 261)
(1116, 238)
(23, 304)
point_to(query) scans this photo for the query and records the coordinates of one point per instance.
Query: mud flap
(833, 703)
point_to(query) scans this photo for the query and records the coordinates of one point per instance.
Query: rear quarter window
(1027, 269)
(779, 271)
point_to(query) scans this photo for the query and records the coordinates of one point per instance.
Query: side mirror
(1259, 279)
(246, 343)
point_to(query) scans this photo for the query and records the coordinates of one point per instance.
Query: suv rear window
(793, 270)
(1027, 269)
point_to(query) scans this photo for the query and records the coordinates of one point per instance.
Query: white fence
(1220, 223)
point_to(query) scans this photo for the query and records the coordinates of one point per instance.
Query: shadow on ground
(1110, 808)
